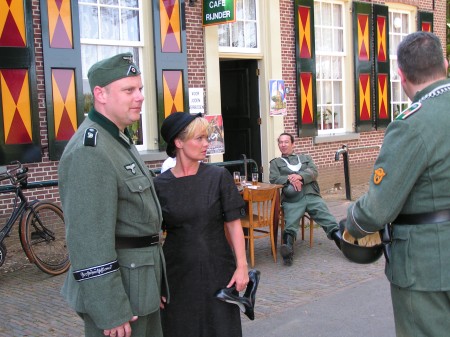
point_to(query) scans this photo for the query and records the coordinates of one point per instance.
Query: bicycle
(41, 225)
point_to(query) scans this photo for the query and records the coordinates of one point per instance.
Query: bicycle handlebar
(17, 174)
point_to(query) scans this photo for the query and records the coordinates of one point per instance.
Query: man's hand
(337, 236)
(123, 330)
(296, 181)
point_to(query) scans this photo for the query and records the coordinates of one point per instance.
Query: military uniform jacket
(279, 172)
(411, 176)
(107, 191)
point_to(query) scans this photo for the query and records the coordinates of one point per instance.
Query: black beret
(173, 125)
(112, 69)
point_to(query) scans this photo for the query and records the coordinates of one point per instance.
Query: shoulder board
(409, 111)
(90, 137)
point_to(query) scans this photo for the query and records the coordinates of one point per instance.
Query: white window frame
(118, 46)
(243, 50)
(327, 54)
(410, 11)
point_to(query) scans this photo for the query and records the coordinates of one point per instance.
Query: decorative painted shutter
(19, 115)
(363, 58)
(425, 22)
(171, 69)
(306, 67)
(382, 66)
(62, 71)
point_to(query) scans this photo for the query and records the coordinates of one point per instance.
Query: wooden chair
(311, 227)
(259, 218)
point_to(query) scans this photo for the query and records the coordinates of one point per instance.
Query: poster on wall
(196, 103)
(215, 135)
(277, 98)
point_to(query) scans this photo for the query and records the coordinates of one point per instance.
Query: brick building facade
(275, 58)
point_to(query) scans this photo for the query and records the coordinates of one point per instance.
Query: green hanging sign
(216, 12)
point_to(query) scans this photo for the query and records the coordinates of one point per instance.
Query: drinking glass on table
(237, 177)
(255, 177)
(243, 180)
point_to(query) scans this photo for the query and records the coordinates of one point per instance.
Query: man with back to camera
(113, 217)
(410, 190)
(300, 194)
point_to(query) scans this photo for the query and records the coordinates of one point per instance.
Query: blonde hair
(198, 124)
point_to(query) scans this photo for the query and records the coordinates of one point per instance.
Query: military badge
(409, 111)
(131, 70)
(90, 137)
(378, 175)
(131, 167)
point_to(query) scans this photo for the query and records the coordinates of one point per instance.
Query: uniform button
(132, 265)
(140, 188)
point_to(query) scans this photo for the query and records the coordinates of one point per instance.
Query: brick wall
(331, 172)
(195, 46)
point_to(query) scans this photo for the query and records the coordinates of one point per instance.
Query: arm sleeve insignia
(378, 175)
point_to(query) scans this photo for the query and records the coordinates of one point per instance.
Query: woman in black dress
(197, 200)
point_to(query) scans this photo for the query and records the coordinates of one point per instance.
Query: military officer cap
(172, 126)
(112, 69)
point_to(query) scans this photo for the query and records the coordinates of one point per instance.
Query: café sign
(216, 12)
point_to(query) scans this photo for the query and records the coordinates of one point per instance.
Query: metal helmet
(359, 254)
(290, 192)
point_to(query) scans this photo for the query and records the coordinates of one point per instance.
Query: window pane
(337, 68)
(109, 23)
(405, 24)
(338, 40)
(318, 39)
(238, 34)
(130, 3)
(327, 37)
(337, 15)
(326, 14)
(338, 117)
(326, 68)
(250, 35)
(224, 35)
(337, 92)
(88, 58)
(89, 22)
(250, 10)
(319, 90)
(109, 2)
(130, 25)
(239, 10)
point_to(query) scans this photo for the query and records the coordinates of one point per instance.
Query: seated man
(301, 194)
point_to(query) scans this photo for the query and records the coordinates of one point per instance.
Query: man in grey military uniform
(300, 194)
(113, 217)
(410, 188)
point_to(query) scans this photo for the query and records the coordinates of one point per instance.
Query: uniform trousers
(316, 208)
(144, 326)
(420, 313)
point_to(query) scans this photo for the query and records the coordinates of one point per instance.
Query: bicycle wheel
(43, 237)
(3, 252)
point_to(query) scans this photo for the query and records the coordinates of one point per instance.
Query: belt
(423, 218)
(123, 242)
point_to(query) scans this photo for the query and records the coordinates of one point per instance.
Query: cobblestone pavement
(32, 306)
